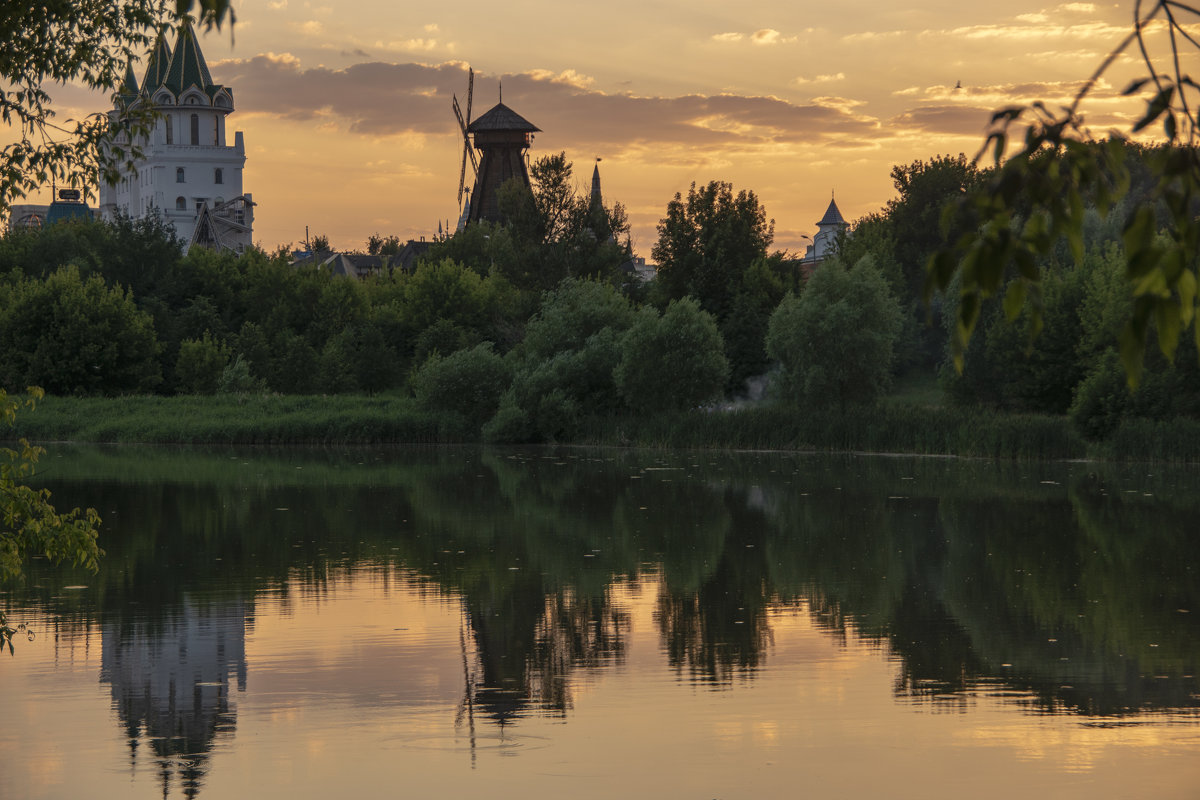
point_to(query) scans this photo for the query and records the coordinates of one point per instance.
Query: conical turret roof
(159, 63)
(188, 67)
(502, 118)
(129, 86)
(832, 216)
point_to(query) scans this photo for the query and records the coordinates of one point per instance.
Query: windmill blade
(462, 178)
(470, 92)
(474, 160)
(462, 174)
(468, 151)
(462, 124)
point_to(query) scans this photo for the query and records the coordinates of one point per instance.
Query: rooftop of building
(502, 118)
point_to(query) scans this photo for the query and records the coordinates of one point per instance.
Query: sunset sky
(349, 130)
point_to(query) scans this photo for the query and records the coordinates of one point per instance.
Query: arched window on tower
(169, 122)
(195, 129)
(218, 176)
(179, 175)
(180, 204)
(216, 130)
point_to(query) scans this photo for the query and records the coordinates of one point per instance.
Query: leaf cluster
(92, 42)
(1038, 196)
(28, 522)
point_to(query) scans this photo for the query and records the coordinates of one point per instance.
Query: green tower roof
(156, 68)
(187, 68)
(129, 86)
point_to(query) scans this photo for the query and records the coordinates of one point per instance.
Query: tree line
(522, 331)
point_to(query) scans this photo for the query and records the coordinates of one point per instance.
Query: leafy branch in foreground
(28, 522)
(93, 43)
(1037, 197)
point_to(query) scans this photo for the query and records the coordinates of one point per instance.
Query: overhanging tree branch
(1057, 166)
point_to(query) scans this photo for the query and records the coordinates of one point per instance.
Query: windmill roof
(502, 118)
(832, 215)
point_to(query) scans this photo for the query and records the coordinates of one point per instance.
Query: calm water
(536, 623)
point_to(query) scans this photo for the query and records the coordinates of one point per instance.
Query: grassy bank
(229, 419)
(888, 428)
(891, 427)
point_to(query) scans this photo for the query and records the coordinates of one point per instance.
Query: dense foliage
(29, 524)
(535, 329)
(835, 341)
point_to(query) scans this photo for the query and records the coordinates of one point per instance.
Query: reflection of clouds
(1076, 749)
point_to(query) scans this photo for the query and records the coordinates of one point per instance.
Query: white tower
(187, 173)
(827, 230)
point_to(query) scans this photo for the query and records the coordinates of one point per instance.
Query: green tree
(357, 360)
(564, 367)
(571, 314)
(1007, 367)
(674, 361)
(446, 290)
(923, 188)
(200, 365)
(467, 384)
(745, 330)
(1038, 195)
(89, 41)
(237, 378)
(75, 337)
(29, 523)
(708, 241)
(835, 341)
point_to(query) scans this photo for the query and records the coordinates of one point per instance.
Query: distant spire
(596, 196)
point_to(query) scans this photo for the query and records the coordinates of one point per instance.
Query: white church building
(187, 173)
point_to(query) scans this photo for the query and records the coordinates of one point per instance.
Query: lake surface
(600, 623)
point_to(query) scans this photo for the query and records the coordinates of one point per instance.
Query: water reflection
(171, 683)
(1076, 587)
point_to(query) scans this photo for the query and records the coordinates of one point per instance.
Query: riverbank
(891, 427)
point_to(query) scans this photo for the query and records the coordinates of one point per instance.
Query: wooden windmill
(501, 136)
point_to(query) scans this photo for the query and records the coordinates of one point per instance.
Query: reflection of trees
(965, 570)
(1087, 618)
(715, 624)
(533, 553)
(864, 562)
(1005, 580)
(574, 632)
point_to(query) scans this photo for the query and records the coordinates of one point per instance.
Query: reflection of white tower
(187, 174)
(170, 682)
(827, 231)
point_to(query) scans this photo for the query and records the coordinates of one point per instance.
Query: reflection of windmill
(468, 151)
(501, 136)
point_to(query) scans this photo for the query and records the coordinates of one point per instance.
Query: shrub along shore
(889, 427)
